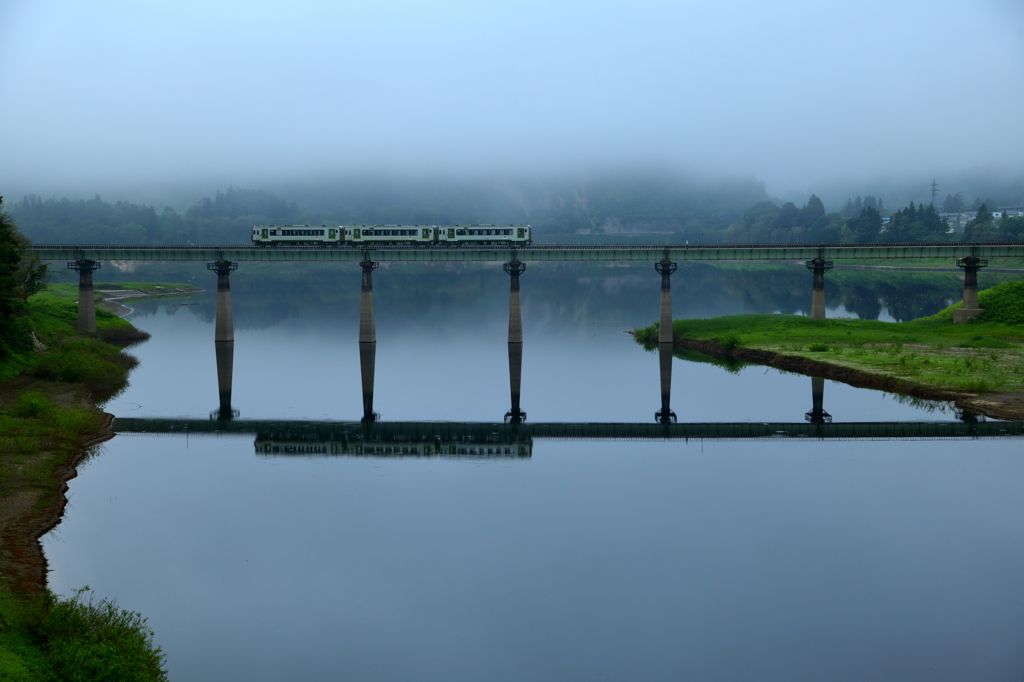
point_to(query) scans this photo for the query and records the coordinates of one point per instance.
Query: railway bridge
(818, 258)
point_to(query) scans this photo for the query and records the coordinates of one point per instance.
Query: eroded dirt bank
(35, 485)
(1009, 406)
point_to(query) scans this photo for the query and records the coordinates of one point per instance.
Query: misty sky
(107, 94)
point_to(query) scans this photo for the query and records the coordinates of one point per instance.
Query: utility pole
(935, 190)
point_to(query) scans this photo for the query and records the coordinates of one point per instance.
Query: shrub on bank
(95, 640)
(100, 367)
(1004, 303)
(76, 639)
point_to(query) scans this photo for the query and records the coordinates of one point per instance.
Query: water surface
(615, 560)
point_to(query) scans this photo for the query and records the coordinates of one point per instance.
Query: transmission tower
(935, 190)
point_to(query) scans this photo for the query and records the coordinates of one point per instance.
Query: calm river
(589, 560)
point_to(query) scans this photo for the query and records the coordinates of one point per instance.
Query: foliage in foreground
(76, 639)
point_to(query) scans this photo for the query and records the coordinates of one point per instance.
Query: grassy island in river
(979, 365)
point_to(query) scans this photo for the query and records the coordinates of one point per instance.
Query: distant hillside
(611, 205)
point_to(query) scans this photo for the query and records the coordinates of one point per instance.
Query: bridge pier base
(818, 415)
(818, 266)
(367, 339)
(515, 340)
(665, 415)
(970, 309)
(86, 300)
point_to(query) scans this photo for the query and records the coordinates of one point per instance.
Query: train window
(462, 233)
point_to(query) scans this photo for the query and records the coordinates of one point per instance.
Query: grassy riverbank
(53, 378)
(928, 357)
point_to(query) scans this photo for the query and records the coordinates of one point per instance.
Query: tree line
(737, 212)
(21, 275)
(604, 205)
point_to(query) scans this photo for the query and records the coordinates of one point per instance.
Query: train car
(391, 235)
(486, 235)
(296, 235)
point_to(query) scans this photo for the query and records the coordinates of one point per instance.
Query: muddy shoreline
(27, 511)
(1008, 406)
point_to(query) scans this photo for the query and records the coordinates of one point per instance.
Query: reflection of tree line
(563, 298)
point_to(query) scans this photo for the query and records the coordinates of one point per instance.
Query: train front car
(485, 235)
(297, 235)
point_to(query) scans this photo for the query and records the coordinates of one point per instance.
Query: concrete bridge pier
(224, 329)
(665, 415)
(367, 339)
(86, 300)
(818, 266)
(225, 362)
(665, 268)
(970, 310)
(224, 337)
(515, 339)
(818, 415)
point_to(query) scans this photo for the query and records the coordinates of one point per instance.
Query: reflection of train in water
(392, 235)
(446, 449)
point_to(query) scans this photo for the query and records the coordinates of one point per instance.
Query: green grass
(984, 356)
(69, 292)
(75, 639)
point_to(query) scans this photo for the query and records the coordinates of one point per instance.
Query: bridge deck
(485, 432)
(738, 252)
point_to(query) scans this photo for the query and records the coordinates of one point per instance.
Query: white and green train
(391, 235)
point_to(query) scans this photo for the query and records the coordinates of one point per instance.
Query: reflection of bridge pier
(225, 362)
(224, 337)
(86, 300)
(665, 268)
(818, 266)
(818, 415)
(367, 338)
(969, 310)
(515, 339)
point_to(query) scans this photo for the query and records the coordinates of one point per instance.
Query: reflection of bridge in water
(512, 440)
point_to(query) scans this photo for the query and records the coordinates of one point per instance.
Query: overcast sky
(105, 94)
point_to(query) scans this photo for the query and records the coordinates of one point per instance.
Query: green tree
(1012, 229)
(10, 254)
(865, 227)
(13, 335)
(981, 229)
(31, 274)
(954, 203)
(812, 211)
